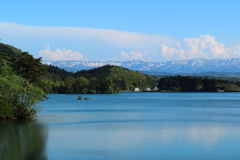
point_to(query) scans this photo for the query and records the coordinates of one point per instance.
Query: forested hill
(105, 79)
(58, 72)
(9, 50)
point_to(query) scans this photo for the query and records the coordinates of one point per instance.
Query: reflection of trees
(22, 139)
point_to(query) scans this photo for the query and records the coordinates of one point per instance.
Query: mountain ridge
(180, 66)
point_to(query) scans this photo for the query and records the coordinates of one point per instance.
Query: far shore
(128, 91)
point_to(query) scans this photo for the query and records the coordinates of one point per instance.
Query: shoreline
(168, 91)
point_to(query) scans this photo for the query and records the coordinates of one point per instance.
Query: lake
(168, 126)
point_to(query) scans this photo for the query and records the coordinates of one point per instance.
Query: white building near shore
(136, 90)
(148, 89)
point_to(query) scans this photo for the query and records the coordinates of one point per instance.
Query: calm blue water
(169, 126)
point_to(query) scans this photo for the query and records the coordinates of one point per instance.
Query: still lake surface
(169, 126)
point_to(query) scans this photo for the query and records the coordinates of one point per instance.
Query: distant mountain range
(193, 66)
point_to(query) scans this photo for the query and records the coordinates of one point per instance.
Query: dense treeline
(22, 83)
(106, 79)
(192, 84)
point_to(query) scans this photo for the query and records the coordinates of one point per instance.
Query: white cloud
(105, 44)
(119, 38)
(135, 56)
(97, 44)
(125, 55)
(59, 55)
(204, 46)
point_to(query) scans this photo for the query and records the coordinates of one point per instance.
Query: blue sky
(152, 30)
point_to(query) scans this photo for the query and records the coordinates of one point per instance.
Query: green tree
(17, 100)
(69, 84)
(80, 84)
(30, 68)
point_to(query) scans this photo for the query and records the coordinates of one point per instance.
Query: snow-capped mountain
(181, 66)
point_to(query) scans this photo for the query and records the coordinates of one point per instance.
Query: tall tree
(30, 68)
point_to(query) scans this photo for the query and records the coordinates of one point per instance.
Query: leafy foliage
(17, 100)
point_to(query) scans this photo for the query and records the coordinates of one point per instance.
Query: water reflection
(22, 139)
(111, 137)
(144, 126)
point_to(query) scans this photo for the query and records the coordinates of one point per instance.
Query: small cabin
(148, 89)
(136, 90)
